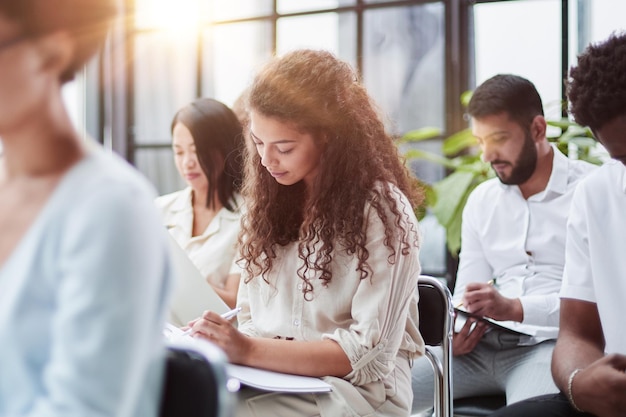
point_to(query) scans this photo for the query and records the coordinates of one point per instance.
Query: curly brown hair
(317, 93)
(596, 87)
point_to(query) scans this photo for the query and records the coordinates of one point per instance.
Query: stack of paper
(276, 381)
(253, 377)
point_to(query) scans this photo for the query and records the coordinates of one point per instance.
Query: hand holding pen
(491, 282)
(226, 316)
(219, 331)
(484, 299)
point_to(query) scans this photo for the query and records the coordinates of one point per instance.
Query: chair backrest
(436, 321)
(196, 383)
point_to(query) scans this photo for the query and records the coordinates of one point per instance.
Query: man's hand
(466, 340)
(483, 299)
(600, 388)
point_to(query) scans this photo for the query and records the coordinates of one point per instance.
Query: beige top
(374, 320)
(214, 252)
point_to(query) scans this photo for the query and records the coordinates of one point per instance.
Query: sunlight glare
(177, 16)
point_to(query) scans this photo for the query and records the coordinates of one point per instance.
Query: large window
(416, 58)
(394, 45)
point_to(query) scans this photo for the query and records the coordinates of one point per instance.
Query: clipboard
(192, 294)
(492, 323)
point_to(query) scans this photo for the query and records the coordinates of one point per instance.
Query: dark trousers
(551, 405)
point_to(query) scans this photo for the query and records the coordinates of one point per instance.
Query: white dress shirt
(213, 252)
(521, 243)
(595, 267)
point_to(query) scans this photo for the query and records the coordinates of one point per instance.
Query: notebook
(509, 326)
(245, 375)
(192, 294)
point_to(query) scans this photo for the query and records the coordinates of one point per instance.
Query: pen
(226, 316)
(232, 313)
(490, 282)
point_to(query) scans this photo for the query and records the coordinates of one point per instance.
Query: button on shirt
(595, 270)
(521, 243)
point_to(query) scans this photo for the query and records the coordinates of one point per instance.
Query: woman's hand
(212, 327)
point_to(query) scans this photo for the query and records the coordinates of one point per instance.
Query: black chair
(435, 299)
(436, 320)
(196, 383)
(480, 406)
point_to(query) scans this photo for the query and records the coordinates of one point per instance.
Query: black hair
(596, 87)
(217, 135)
(508, 93)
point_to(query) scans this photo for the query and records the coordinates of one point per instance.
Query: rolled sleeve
(381, 307)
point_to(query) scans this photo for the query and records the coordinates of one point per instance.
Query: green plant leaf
(418, 135)
(450, 194)
(582, 142)
(453, 231)
(466, 97)
(458, 142)
(428, 156)
(563, 123)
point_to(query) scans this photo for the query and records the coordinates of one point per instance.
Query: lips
(499, 166)
(277, 174)
(191, 176)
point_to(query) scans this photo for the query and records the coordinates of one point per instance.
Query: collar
(183, 202)
(557, 183)
(560, 173)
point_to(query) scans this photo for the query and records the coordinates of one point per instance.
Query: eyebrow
(276, 142)
(497, 133)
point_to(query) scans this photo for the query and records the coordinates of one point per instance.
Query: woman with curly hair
(330, 246)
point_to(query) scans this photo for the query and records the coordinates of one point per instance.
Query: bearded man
(512, 252)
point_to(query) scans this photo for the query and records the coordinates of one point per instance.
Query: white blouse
(214, 252)
(374, 320)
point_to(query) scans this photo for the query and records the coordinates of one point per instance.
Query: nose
(189, 160)
(488, 152)
(266, 158)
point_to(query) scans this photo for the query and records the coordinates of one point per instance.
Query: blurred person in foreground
(84, 266)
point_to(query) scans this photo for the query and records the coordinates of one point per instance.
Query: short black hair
(217, 135)
(508, 93)
(87, 21)
(596, 87)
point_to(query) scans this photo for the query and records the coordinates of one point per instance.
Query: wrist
(517, 310)
(570, 394)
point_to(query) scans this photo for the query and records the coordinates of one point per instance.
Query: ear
(538, 128)
(57, 51)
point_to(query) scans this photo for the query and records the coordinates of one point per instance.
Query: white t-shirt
(595, 270)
